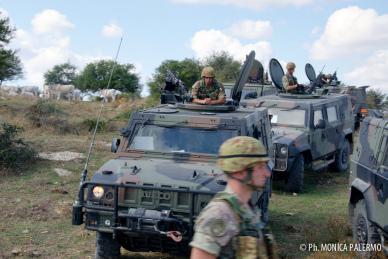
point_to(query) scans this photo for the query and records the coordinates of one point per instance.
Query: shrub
(90, 124)
(124, 115)
(14, 152)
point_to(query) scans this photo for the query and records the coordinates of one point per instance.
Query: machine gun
(174, 90)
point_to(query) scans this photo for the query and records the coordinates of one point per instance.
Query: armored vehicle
(331, 84)
(148, 197)
(368, 206)
(307, 129)
(257, 84)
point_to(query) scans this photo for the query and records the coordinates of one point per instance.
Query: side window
(385, 162)
(332, 114)
(317, 116)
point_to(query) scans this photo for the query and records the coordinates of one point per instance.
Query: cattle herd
(64, 92)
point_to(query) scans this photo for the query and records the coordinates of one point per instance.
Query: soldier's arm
(194, 94)
(214, 229)
(221, 96)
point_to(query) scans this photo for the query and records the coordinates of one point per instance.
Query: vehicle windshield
(289, 117)
(179, 139)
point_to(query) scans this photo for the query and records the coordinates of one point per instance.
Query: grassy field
(35, 217)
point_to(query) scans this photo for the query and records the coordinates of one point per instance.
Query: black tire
(341, 162)
(106, 246)
(364, 232)
(295, 175)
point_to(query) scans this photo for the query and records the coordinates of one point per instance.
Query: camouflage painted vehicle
(368, 206)
(307, 130)
(333, 85)
(257, 84)
(148, 197)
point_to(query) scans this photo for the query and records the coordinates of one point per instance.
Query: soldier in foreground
(208, 90)
(229, 226)
(290, 83)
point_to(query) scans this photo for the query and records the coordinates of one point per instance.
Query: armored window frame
(384, 163)
(329, 113)
(314, 117)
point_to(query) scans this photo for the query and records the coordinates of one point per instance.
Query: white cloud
(250, 30)
(3, 13)
(50, 21)
(251, 4)
(206, 42)
(351, 31)
(373, 72)
(111, 30)
(45, 46)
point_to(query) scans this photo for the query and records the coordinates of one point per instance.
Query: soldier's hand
(207, 101)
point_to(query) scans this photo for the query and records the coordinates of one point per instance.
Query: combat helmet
(208, 72)
(240, 153)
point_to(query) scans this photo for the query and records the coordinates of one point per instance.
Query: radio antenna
(85, 170)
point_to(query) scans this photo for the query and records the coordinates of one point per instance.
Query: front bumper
(139, 229)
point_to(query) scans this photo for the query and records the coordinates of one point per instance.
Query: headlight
(98, 192)
(283, 151)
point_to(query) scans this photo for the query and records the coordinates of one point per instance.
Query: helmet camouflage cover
(241, 152)
(208, 72)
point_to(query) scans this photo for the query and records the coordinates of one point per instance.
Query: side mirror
(115, 145)
(321, 124)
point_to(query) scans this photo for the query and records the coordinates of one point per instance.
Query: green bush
(49, 115)
(90, 124)
(124, 115)
(14, 152)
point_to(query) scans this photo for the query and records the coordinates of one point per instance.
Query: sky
(349, 36)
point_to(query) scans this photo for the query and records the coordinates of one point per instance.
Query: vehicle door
(333, 125)
(318, 141)
(379, 181)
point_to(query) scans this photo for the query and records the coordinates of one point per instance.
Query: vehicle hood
(158, 172)
(286, 135)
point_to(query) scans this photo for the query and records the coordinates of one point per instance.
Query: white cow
(110, 94)
(30, 89)
(58, 91)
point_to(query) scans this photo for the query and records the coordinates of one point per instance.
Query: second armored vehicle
(307, 130)
(368, 206)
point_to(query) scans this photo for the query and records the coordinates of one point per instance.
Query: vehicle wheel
(295, 175)
(364, 232)
(341, 162)
(106, 246)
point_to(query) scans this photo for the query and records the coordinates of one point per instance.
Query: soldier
(208, 90)
(229, 226)
(290, 83)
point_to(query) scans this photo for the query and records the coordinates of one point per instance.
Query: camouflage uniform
(233, 230)
(289, 80)
(226, 227)
(201, 91)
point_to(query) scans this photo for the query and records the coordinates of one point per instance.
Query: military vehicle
(368, 206)
(148, 197)
(314, 130)
(331, 84)
(258, 83)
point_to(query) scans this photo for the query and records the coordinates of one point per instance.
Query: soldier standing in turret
(208, 90)
(290, 83)
(230, 226)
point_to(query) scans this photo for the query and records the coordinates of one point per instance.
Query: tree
(63, 74)
(376, 99)
(96, 76)
(10, 65)
(226, 67)
(187, 70)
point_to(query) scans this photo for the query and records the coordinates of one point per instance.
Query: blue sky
(347, 34)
